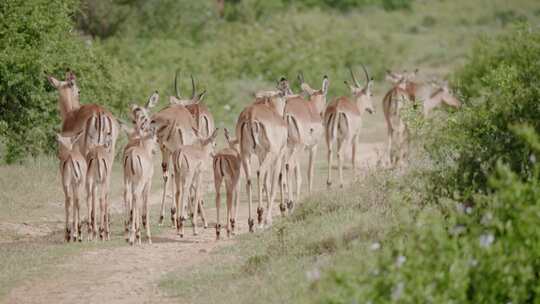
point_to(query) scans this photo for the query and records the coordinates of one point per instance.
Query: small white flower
(460, 207)
(400, 260)
(375, 246)
(532, 158)
(473, 262)
(227, 107)
(313, 275)
(468, 210)
(457, 229)
(487, 239)
(488, 216)
(397, 291)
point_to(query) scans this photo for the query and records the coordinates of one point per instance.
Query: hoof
(341, 186)
(251, 223)
(282, 208)
(328, 184)
(161, 218)
(233, 224)
(260, 212)
(290, 205)
(218, 231)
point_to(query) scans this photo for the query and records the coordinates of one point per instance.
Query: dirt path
(131, 275)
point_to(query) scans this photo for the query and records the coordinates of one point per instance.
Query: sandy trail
(131, 274)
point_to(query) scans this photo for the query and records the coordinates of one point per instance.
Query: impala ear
(153, 100)
(307, 89)
(325, 85)
(174, 100)
(196, 132)
(53, 81)
(124, 127)
(76, 138)
(63, 141)
(214, 134)
(200, 97)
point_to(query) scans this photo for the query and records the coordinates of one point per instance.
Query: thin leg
(312, 154)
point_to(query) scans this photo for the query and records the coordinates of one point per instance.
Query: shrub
(501, 87)
(35, 37)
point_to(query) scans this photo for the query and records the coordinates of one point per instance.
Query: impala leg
(312, 154)
(76, 231)
(236, 192)
(247, 171)
(298, 179)
(354, 152)
(94, 211)
(178, 199)
(127, 208)
(74, 214)
(146, 211)
(340, 150)
(330, 159)
(138, 216)
(200, 202)
(164, 168)
(229, 208)
(217, 186)
(107, 212)
(89, 209)
(133, 217)
(195, 204)
(389, 150)
(277, 170)
(67, 206)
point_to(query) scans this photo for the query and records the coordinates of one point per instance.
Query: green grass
(280, 265)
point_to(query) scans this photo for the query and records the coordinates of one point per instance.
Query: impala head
(233, 143)
(68, 91)
(141, 137)
(195, 98)
(140, 115)
(362, 94)
(317, 97)
(447, 97)
(66, 144)
(208, 142)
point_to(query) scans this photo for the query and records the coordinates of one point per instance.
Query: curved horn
(354, 78)
(365, 72)
(192, 87)
(176, 89)
(301, 77)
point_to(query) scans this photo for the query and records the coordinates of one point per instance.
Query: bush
(36, 37)
(501, 87)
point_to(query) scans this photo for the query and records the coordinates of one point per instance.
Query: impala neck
(67, 103)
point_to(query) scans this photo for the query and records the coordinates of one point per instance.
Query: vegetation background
(458, 225)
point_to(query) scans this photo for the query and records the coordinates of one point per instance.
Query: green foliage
(501, 87)
(484, 248)
(35, 37)
(248, 10)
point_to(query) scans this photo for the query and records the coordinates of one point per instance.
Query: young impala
(262, 131)
(190, 162)
(97, 185)
(343, 122)
(73, 173)
(138, 172)
(398, 134)
(227, 168)
(305, 129)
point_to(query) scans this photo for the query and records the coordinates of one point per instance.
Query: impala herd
(274, 129)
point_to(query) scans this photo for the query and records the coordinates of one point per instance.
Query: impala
(138, 172)
(305, 129)
(174, 127)
(262, 131)
(190, 162)
(227, 168)
(73, 173)
(93, 120)
(204, 121)
(343, 122)
(432, 95)
(97, 184)
(398, 134)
